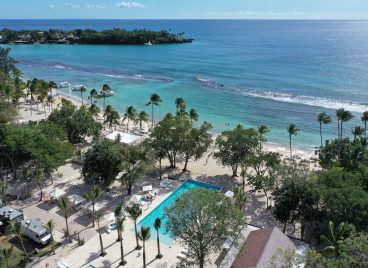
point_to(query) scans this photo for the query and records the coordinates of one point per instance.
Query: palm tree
(105, 92)
(65, 205)
(241, 197)
(130, 114)
(119, 221)
(193, 115)
(262, 130)
(113, 118)
(93, 94)
(292, 131)
(346, 116)
(357, 131)
(6, 254)
(50, 226)
(50, 100)
(82, 90)
(323, 118)
(94, 195)
(155, 100)
(157, 226)
(107, 111)
(339, 114)
(365, 120)
(94, 109)
(144, 235)
(18, 230)
(98, 219)
(180, 106)
(134, 212)
(142, 117)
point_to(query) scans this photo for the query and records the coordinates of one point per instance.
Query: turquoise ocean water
(247, 72)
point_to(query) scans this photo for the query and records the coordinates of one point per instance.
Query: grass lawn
(18, 255)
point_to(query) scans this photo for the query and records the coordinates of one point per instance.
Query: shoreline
(283, 149)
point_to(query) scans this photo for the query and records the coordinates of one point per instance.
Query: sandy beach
(68, 178)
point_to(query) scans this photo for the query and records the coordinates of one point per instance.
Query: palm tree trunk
(365, 129)
(23, 247)
(122, 262)
(338, 128)
(186, 163)
(67, 229)
(320, 132)
(144, 254)
(52, 242)
(138, 247)
(159, 256)
(284, 228)
(291, 150)
(128, 125)
(152, 117)
(341, 128)
(93, 214)
(82, 97)
(160, 168)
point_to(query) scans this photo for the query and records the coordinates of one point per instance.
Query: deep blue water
(247, 72)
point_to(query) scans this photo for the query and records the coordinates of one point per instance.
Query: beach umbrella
(229, 194)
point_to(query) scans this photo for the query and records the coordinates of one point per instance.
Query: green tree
(343, 231)
(323, 118)
(130, 115)
(94, 110)
(213, 219)
(106, 91)
(82, 90)
(235, 146)
(134, 212)
(144, 235)
(157, 225)
(18, 230)
(193, 115)
(93, 94)
(113, 118)
(65, 206)
(194, 142)
(180, 105)
(142, 117)
(6, 256)
(364, 118)
(7, 112)
(295, 198)
(135, 162)
(343, 116)
(98, 219)
(261, 177)
(240, 198)
(262, 130)
(94, 195)
(292, 131)
(101, 163)
(354, 250)
(50, 101)
(50, 227)
(155, 100)
(357, 132)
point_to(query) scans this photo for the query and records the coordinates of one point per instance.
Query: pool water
(159, 211)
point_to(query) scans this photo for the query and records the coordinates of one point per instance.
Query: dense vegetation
(88, 36)
(330, 205)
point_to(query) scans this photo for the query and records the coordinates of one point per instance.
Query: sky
(184, 9)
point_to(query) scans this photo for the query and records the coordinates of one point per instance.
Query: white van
(36, 231)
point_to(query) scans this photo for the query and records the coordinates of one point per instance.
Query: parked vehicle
(35, 230)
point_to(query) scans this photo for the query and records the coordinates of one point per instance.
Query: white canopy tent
(88, 206)
(76, 199)
(123, 137)
(147, 188)
(136, 198)
(57, 193)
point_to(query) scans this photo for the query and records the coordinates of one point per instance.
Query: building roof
(34, 225)
(9, 213)
(123, 137)
(260, 247)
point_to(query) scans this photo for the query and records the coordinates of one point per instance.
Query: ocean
(235, 72)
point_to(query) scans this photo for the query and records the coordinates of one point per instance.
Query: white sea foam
(288, 98)
(60, 66)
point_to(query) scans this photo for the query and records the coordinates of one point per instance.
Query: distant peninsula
(88, 36)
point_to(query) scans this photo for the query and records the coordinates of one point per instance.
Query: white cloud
(52, 6)
(130, 5)
(71, 5)
(88, 5)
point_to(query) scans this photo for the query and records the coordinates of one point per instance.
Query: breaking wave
(288, 98)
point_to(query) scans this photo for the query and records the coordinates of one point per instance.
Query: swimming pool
(159, 211)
